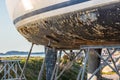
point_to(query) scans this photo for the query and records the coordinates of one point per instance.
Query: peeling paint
(93, 27)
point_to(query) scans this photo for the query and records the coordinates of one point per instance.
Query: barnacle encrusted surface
(96, 26)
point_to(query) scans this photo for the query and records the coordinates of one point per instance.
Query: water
(24, 55)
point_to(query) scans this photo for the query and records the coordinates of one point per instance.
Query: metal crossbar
(104, 60)
(99, 46)
(69, 64)
(11, 65)
(55, 71)
(24, 67)
(113, 62)
(59, 57)
(43, 65)
(101, 66)
(82, 75)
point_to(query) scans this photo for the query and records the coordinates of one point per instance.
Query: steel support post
(93, 64)
(50, 62)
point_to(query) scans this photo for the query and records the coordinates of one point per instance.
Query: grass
(109, 73)
(34, 66)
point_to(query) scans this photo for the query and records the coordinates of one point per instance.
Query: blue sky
(10, 39)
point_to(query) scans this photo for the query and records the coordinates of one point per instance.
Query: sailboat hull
(96, 25)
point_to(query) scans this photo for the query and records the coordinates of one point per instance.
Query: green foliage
(109, 73)
(34, 65)
(33, 68)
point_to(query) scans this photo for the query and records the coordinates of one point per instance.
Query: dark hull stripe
(49, 8)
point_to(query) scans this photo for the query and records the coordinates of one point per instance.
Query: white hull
(69, 22)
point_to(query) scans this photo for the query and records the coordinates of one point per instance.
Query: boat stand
(11, 66)
(88, 63)
(92, 64)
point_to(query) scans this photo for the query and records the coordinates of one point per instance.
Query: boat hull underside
(95, 26)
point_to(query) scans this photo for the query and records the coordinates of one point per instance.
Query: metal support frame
(55, 75)
(43, 65)
(11, 66)
(105, 61)
(55, 71)
(26, 62)
(50, 64)
(83, 68)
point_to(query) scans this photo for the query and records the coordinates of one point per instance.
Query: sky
(10, 38)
